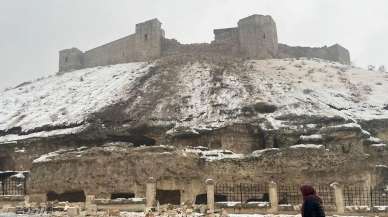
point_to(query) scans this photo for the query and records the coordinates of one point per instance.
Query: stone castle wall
(255, 37)
(335, 53)
(143, 45)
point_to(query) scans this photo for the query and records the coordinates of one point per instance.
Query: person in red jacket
(312, 203)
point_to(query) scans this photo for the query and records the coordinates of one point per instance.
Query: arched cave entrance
(70, 196)
(122, 195)
(168, 197)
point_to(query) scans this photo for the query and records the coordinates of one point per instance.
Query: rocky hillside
(219, 103)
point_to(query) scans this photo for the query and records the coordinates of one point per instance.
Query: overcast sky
(33, 31)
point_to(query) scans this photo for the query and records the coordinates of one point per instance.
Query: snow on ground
(313, 146)
(214, 154)
(258, 153)
(311, 137)
(66, 99)
(14, 137)
(131, 214)
(51, 155)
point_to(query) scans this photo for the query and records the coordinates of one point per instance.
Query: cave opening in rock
(137, 140)
(70, 196)
(143, 140)
(168, 197)
(201, 199)
(122, 195)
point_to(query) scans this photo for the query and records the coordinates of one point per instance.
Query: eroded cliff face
(337, 112)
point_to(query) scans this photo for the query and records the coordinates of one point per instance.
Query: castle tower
(339, 54)
(258, 37)
(70, 59)
(148, 39)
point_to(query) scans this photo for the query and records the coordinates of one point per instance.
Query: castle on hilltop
(254, 37)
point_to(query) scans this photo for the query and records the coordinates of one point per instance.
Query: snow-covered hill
(193, 97)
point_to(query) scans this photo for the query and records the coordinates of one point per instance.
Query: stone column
(89, 200)
(90, 207)
(339, 197)
(150, 193)
(273, 196)
(210, 195)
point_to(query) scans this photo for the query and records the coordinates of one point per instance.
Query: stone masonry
(255, 37)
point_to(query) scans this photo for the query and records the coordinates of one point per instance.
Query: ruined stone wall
(335, 53)
(119, 51)
(145, 44)
(228, 35)
(19, 157)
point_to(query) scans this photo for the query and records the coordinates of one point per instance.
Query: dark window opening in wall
(2, 164)
(262, 198)
(145, 37)
(220, 198)
(66, 59)
(6, 163)
(122, 195)
(264, 36)
(201, 199)
(168, 197)
(72, 197)
(275, 143)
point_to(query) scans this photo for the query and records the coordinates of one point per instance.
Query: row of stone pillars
(272, 191)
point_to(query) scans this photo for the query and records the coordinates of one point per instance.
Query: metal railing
(290, 194)
(12, 187)
(364, 196)
(243, 193)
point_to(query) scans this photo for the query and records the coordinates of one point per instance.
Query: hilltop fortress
(254, 37)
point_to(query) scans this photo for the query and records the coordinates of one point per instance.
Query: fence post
(339, 197)
(150, 192)
(273, 196)
(210, 195)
